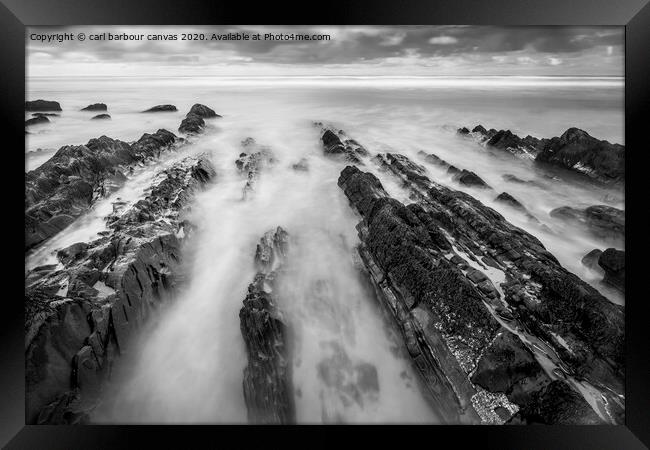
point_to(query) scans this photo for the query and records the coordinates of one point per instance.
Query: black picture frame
(633, 14)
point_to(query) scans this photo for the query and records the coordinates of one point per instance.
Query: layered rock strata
(268, 390)
(498, 330)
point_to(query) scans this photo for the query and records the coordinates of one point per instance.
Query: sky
(350, 51)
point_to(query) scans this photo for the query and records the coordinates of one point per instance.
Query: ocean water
(187, 366)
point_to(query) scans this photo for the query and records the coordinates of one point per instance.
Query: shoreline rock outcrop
(96, 107)
(575, 150)
(82, 314)
(161, 108)
(252, 163)
(268, 388)
(66, 185)
(101, 117)
(604, 222)
(467, 288)
(336, 144)
(42, 105)
(193, 122)
(37, 120)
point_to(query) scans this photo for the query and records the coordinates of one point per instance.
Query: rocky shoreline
(82, 313)
(575, 150)
(467, 287)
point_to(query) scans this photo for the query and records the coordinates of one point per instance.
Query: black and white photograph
(325, 225)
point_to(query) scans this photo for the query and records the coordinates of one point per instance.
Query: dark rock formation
(456, 276)
(36, 121)
(251, 164)
(591, 259)
(613, 263)
(81, 317)
(96, 107)
(42, 105)
(193, 122)
(268, 390)
(508, 199)
(68, 183)
(605, 222)
(101, 117)
(40, 114)
(161, 108)
(575, 150)
(203, 111)
(464, 177)
(469, 178)
(337, 144)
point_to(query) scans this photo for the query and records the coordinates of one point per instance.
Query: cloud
(365, 49)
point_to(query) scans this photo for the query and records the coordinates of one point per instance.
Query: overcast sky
(359, 50)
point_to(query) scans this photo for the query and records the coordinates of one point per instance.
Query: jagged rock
(38, 120)
(591, 259)
(251, 164)
(575, 150)
(161, 108)
(613, 263)
(504, 197)
(434, 159)
(95, 107)
(469, 178)
(193, 122)
(101, 117)
(463, 130)
(578, 151)
(267, 384)
(338, 145)
(447, 311)
(67, 184)
(603, 221)
(42, 105)
(79, 318)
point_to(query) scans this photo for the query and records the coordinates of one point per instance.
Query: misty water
(188, 362)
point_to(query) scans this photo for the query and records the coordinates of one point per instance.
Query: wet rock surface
(42, 105)
(193, 122)
(268, 388)
(101, 117)
(574, 150)
(67, 184)
(95, 107)
(161, 108)
(612, 261)
(590, 260)
(605, 222)
(456, 276)
(82, 314)
(462, 176)
(250, 163)
(337, 144)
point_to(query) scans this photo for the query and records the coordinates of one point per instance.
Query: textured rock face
(161, 108)
(101, 117)
(462, 176)
(267, 382)
(337, 144)
(193, 122)
(591, 259)
(42, 105)
(68, 183)
(613, 263)
(95, 107)
(80, 317)
(575, 150)
(605, 222)
(252, 163)
(429, 262)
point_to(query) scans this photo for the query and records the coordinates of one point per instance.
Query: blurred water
(188, 366)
